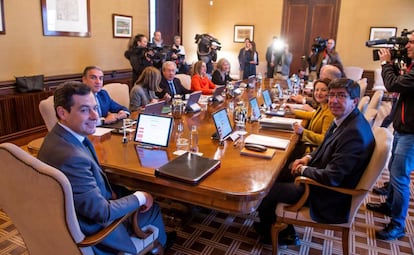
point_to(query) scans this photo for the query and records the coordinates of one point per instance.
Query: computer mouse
(255, 147)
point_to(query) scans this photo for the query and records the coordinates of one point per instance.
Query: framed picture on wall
(66, 18)
(2, 27)
(122, 26)
(241, 32)
(379, 33)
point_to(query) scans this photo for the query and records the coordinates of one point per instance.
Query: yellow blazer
(319, 123)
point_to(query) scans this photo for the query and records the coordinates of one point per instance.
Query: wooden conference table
(237, 187)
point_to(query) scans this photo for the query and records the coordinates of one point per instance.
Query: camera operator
(139, 55)
(323, 52)
(402, 158)
(177, 54)
(278, 59)
(207, 47)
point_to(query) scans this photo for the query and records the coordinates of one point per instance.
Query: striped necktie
(172, 88)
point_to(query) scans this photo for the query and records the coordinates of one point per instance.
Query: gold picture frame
(122, 26)
(241, 32)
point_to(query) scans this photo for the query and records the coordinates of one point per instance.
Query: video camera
(319, 45)
(155, 53)
(398, 50)
(207, 41)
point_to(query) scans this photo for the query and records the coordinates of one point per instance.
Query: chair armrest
(308, 181)
(100, 235)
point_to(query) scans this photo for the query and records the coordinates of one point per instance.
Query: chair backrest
(363, 104)
(383, 141)
(185, 80)
(370, 115)
(47, 110)
(363, 83)
(119, 92)
(383, 111)
(38, 199)
(353, 72)
(376, 99)
(378, 81)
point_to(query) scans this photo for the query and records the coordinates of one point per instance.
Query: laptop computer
(192, 102)
(255, 114)
(153, 131)
(223, 126)
(157, 108)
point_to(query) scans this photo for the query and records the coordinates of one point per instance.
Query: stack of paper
(267, 141)
(280, 123)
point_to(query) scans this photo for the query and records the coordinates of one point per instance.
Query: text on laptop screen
(153, 129)
(222, 122)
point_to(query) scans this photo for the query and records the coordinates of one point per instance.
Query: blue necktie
(89, 146)
(172, 88)
(99, 105)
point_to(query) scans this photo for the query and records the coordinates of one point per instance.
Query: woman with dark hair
(252, 60)
(138, 55)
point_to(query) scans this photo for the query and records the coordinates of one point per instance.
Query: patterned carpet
(204, 231)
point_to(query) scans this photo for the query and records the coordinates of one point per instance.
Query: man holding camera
(402, 158)
(323, 53)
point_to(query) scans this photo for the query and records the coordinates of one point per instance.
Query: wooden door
(168, 19)
(303, 21)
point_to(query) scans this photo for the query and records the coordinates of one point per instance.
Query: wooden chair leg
(274, 231)
(345, 241)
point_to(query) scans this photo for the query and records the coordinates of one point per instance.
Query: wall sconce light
(211, 2)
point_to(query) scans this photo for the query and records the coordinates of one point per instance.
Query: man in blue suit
(67, 148)
(109, 111)
(339, 161)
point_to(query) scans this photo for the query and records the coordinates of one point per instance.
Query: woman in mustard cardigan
(319, 123)
(319, 120)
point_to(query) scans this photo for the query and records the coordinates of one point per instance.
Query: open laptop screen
(153, 129)
(222, 123)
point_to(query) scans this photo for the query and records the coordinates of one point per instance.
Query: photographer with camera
(323, 52)
(207, 47)
(177, 54)
(278, 59)
(402, 158)
(139, 55)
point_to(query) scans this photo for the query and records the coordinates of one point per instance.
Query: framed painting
(379, 33)
(122, 26)
(241, 32)
(66, 18)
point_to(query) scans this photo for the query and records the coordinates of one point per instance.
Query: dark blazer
(92, 193)
(218, 79)
(179, 88)
(107, 104)
(339, 161)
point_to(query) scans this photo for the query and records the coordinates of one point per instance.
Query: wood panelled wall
(19, 112)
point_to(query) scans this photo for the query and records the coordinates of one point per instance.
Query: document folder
(188, 168)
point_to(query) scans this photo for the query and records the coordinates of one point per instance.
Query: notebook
(192, 102)
(279, 123)
(189, 168)
(157, 108)
(153, 130)
(223, 125)
(267, 141)
(255, 110)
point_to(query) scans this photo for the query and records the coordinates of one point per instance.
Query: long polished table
(237, 187)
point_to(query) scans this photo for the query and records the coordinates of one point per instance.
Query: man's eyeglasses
(339, 96)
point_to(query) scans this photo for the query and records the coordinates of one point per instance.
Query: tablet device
(266, 99)
(222, 123)
(217, 93)
(153, 130)
(155, 108)
(192, 102)
(151, 158)
(255, 110)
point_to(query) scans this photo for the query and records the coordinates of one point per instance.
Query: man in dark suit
(169, 84)
(339, 161)
(109, 111)
(97, 204)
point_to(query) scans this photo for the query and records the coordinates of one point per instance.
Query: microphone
(376, 42)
